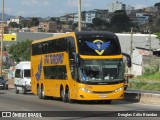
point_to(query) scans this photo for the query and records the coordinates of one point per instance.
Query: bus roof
(54, 37)
(95, 32)
(109, 34)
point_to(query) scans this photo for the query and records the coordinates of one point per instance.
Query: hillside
(153, 25)
(6, 17)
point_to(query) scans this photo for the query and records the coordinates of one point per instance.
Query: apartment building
(116, 5)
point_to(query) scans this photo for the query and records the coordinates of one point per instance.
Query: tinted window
(27, 73)
(55, 72)
(91, 45)
(57, 45)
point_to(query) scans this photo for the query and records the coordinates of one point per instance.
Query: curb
(147, 98)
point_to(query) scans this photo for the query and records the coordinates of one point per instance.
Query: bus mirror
(129, 64)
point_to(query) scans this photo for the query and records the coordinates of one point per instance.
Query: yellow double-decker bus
(78, 66)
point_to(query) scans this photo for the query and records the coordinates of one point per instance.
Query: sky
(56, 8)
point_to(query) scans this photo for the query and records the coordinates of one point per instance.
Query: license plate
(103, 96)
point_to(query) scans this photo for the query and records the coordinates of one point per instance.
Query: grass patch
(144, 86)
(149, 77)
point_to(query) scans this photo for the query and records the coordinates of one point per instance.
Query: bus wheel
(39, 92)
(43, 96)
(63, 96)
(68, 96)
(24, 90)
(17, 91)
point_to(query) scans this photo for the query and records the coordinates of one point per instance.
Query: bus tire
(39, 92)
(63, 96)
(16, 91)
(43, 96)
(68, 97)
(24, 90)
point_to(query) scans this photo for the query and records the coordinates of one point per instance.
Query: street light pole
(79, 15)
(2, 26)
(149, 31)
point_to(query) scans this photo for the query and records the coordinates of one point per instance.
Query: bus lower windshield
(101, 71)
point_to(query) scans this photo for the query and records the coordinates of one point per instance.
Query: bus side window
(71, 47)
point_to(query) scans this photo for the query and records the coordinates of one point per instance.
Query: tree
(21, 51)
(158, 36)
(120, 22)
(97, 22)
(13, 24)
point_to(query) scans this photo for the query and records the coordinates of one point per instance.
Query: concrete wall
(150, 64)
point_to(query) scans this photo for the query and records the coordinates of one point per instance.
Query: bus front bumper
(84, 94)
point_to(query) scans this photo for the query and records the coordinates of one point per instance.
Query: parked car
(3, 83)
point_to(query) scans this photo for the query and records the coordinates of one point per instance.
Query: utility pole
(79, 15)
(2, 32)
(131, 41)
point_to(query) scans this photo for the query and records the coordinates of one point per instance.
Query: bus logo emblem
(99, 46)
(38, 74)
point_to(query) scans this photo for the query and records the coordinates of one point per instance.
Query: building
(150, 9)
(116, 5)
(104, 14)
(67, 18)
(48, 26)
(16, 19)
(36, 29)
(5, 30)
(142, 18)
(83, 14)
(157, 6)
(89, 16)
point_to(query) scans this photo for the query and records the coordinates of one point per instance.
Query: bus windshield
(101, 71)
(98, 45)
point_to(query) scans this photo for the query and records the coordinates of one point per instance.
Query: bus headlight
(119, 89)
(85, 90)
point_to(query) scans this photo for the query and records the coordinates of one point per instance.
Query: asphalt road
(9, 101)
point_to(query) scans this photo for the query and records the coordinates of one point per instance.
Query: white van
(22, 80)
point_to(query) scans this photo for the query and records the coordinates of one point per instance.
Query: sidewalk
(143, 96)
